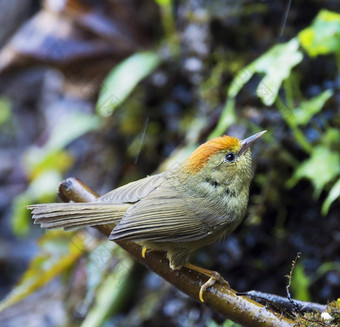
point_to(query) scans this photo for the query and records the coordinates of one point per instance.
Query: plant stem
(289, 93)
(288, 116)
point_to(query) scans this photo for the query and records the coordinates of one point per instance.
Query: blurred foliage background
(110, 91)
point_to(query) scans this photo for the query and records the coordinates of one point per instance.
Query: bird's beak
(246, 143)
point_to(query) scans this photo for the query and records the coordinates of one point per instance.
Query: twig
(290, 276)
(220, 298)
(284, 303)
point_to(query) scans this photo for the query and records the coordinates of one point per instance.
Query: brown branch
(220, 298)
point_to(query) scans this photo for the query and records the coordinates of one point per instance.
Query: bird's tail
(76, 215)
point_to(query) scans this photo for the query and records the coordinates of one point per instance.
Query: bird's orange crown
(202, 154)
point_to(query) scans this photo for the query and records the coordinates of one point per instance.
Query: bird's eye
(230, 157)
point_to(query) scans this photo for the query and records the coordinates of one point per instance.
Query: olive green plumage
(178, 211)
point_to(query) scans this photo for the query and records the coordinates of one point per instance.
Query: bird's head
(224, 160)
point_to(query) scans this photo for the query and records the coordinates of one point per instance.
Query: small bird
(178, 211)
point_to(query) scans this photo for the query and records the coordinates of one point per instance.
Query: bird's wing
(166, 216)
(134, 191)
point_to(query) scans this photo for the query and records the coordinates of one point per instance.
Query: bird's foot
(144, 251)
(211, 281)
(214, 277)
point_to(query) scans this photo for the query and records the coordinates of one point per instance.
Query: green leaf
(323, 36)
(69, 129)
(300, 284)
(41, 189)
(324, 269)
(38, 161)
(52, 156)
(164, 2)
(333, 194)
(331, 137)
(110, 294)
(227, 323)
(212, 323)
(241, 79)
(20, 220)
(309, 108)
(45, 165)
(45, 186)
(276, 65)
(321, 168)
(45, 266)
(99, 262)
(5, 110)
(123, 78)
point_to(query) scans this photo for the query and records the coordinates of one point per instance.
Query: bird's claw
(211, 281)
